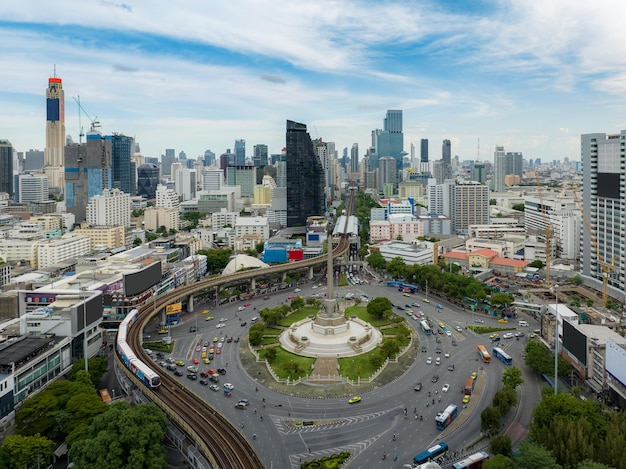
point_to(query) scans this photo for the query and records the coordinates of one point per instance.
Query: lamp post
(426, 288)
(85, 334)
(556, 337)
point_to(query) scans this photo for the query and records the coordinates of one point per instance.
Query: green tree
(396, 267)
(376, 260)
(293, 369)
(531, 455)
(137, 242)
(217, 259)
(504, 399)
(82, 408)
(537, 264)
(38, 415)
(379, 307)
(512, 377)
(389, 349)
(541, 360)
(376, 360)
(589, 464)
(97, 368)
(499, 461)
(490, 420)
(255, 336)
(501, 444)
(19, 452)
(501, 299)
(297, 303)
(612, 449)
(125, 437)
(519, 207)
(270, 354)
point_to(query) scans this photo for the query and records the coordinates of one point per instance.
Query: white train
(134, 364)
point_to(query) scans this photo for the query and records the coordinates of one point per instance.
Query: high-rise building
(305, 176)
(240, 152)
(446, 151)
(87, 172)
(166, 197)
(123, 167)
(499, 167)
(31, 188)
(111, 208)
(469, 204)
(354, 158)
(386, 172)
(603, 160)
(185, 183)
(212, 179)
(479, 172)
(55, 135)
(147, 180)
(441, 171)
(167, 160)
(6, 167)
(209, 158)
(33, 160)
(424, 150)
(260, 155)
(390, 141)
(242, 176)
(281, 169)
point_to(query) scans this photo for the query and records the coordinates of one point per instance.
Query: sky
(529, 75)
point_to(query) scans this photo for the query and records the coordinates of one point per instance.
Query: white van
(254, 319)
(522, 324)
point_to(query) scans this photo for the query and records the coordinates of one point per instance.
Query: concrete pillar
(190, 304)
(284, 277)
(252, 285)
(310, 273)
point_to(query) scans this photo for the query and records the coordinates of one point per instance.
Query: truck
(469, 386)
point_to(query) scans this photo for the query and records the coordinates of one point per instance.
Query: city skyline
(529, 78)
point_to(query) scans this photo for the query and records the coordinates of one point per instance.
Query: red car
(218, 351)
(196, 361)
(290, 297)
(266, 297)
(246, 304)
(229, 340)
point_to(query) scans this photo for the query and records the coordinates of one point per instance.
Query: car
(148, 351)
(171, 366)
(266, 297)
(211, 355)
(434, 379)
(228, 386)
(354, 400)
(479, 321)
(438, 361)
(447, 354)
(192, 369)
(417, 305)
(400, 308)
(223, 319)
(425, 300)
(409, 312)
(179, 372)
(193, 329)
(508, 335)
(519, 334)
(438, 340)
(290, 297)
(448, 333)
(533, 335)
(297, 290)
(429, 360)
(216, 339)
(206, 361)
(160, 355)
(241, 308)
(163, 331)
(218, 351)
(438, 350)
(171, 359)
(222, 340)
(458, 328)
(229, 340)
(220, 344)
(314, 287)
(496, 339)
(163, 363)
(494, 335)
(214, 387)
(241, 405)
(424, 349)
(195, 360)
(406, 294)
(205, 311)
(221, 371)
(445, 387)
(246, 304)
(415, 317)
(440, 331)
(220, 325)
(451, 367)
(209, 318)
(503, 321)
(204, 382)
(198, 347)
(243, 324)
(212, 349)
(474, 375)
(454, 342)
(236, 339)
(180, 363)
(466, 398)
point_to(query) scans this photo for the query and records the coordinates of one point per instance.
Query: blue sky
(529, 75)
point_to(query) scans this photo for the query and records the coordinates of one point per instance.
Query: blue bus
(502, 355)
(426, 328)
(395, 283)
(431, 453)
(475, 461)
(446, 417)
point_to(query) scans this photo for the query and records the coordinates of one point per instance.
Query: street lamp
(426, 288)
(556, 337)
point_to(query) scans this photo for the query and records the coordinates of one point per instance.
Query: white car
(438, 361)
(223, 319)
(429, 360)
(314, 287)
(458, 328)
(241, 308)
(445, 388)
(447, 354)
(297, 290)
(220, 325)
(229, 386)
(508, 335)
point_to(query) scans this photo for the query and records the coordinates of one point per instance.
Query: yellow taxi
(406, 294)
(205, 311)
(474, 375)
(354, 400)
(466, 398)
(208, 318)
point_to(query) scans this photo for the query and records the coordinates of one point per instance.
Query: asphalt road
(366, 429)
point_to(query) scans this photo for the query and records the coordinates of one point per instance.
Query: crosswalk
(289, 427)
(354, 450)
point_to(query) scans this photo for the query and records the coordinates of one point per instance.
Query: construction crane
(548, 228)
(606, 267)
(95, 124)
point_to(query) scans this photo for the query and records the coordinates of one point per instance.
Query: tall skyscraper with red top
(54, 162)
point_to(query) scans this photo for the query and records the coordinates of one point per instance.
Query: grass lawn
(489, 330)
(361, 313)
(353, 367)
(284, 358)
(159, 346)
(269, 340)
(271, 331)
(299, 315)
(393, 330)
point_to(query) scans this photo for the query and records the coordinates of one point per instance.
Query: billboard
(140, 281)
(616, 361)
(174, 308)
(575, 342)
